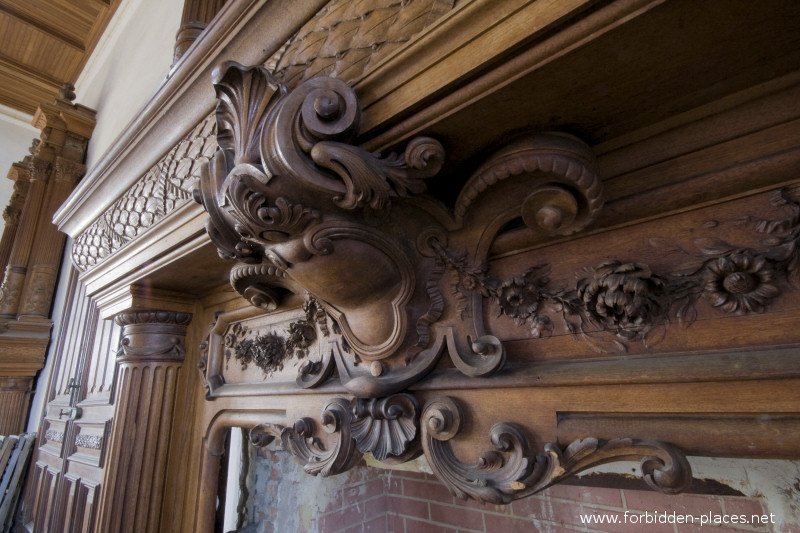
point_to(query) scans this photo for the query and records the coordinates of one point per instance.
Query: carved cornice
(303, 209)
(166, 186)
(69, 171)
(299, 440)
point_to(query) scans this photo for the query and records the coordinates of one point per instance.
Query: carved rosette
(303, 209)
(512, 470)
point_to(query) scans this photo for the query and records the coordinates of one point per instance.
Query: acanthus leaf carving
(299, 440)
(512, 470)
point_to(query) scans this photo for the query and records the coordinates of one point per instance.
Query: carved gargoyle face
(303, 210)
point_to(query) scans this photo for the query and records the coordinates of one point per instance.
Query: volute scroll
(512, 469)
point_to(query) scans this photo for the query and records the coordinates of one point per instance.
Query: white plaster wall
(16, 135)
(130, 62)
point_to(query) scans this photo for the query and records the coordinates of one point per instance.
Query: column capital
(152, 336)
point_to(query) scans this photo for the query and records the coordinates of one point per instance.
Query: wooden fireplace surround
(522, 238)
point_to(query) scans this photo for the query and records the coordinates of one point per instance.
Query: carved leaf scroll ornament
(299, 440)
(512, 470)
(301, 209)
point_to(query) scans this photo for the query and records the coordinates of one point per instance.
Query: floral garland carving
(269, 351)
(631, 301)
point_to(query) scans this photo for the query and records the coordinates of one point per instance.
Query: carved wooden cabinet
(520, 238)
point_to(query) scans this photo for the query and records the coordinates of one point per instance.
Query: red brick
(376, 525)
(375, 506)
(427, 491)
(692, 504)
(697, 528)
(366, 489)
(595, 495)
(745, 506)
(507, 524)
(461, 517)
(395, 523)
(547, 509)
(632, 522)
(334, 502)
(340, 519)
(408, 507)
(415, 526)
(394, 484)
(414, 475)
(491, 507)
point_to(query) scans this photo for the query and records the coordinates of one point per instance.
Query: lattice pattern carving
(164, 187)
(346, 38)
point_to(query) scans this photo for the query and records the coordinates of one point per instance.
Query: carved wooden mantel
(450, 234)
(393, 280)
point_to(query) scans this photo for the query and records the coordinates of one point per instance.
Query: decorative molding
(387, 428)
(152, 336)
(512, 470)
(91, 442)
(51, 435)
(269, 351)
(161, 190)
(302, 209)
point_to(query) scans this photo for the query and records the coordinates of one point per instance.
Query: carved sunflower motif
(740, 282)
(622, 296)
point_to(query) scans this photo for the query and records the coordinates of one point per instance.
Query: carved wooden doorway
(67, 466)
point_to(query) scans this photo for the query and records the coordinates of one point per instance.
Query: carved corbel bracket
(512, 470)
(301, 208)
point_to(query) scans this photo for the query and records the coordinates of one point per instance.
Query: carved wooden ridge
(392, 280)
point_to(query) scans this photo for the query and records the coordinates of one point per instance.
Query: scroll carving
(299, 440)
(512, 470)
(303, 209)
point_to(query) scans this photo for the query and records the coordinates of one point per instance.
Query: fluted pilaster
(150, 357)
(15, 396)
